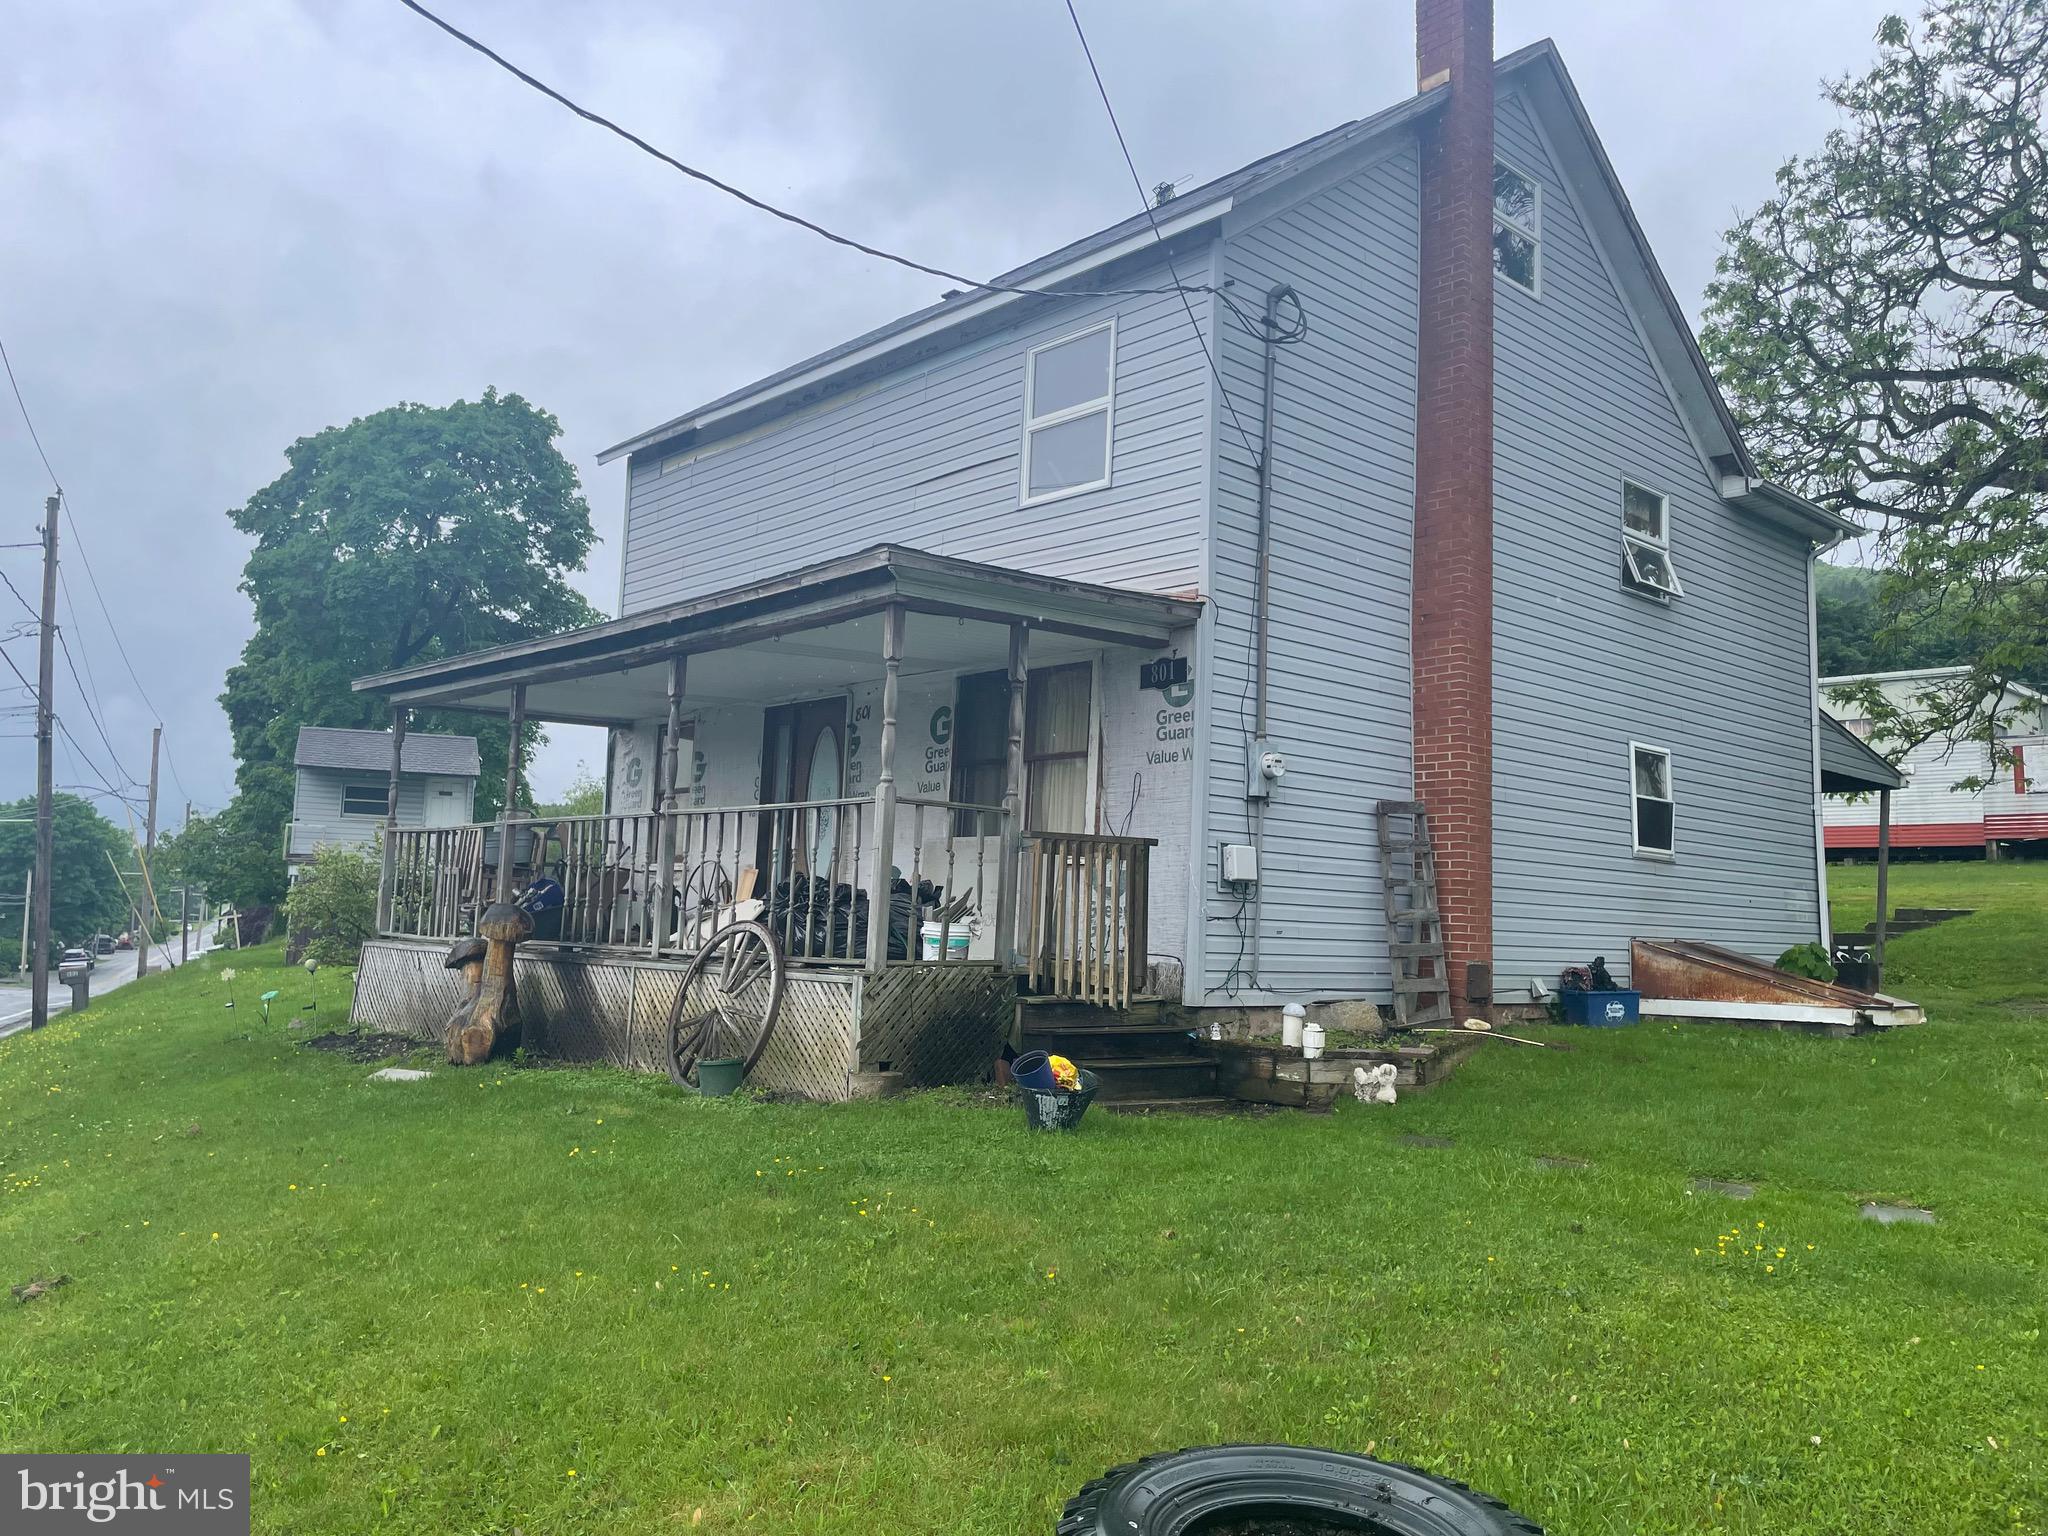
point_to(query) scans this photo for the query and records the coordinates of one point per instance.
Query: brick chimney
(1452, 580)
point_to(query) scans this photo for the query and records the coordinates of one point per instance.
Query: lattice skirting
(935, 1024)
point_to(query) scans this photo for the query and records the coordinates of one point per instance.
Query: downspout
(1820, 830)
(1262, 599)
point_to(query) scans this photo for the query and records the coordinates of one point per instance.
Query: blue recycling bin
(1603, 1010)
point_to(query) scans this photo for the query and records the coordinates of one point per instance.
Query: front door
(803, 757)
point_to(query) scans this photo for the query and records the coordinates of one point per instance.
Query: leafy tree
(332, 908)
(408, 535)
(584, 796)
(1880, 325)
(85, 894)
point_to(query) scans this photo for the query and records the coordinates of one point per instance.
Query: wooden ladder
(1415, 924)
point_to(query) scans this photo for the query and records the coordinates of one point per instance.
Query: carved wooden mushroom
(489, 1023)
(466, 956)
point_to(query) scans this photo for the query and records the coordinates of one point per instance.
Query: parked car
(72, 965)
(103, 944)
(124, 942)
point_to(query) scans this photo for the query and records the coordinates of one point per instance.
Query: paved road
(115, 970)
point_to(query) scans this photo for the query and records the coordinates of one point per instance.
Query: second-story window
(1517, 227)
(363, 799)
(1646, 542)
(1069, 391)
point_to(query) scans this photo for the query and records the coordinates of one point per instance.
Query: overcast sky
(225, 224)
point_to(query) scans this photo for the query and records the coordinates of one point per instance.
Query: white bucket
(957, 940)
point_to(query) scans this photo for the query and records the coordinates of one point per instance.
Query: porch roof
(1848, 764)
(744, 644)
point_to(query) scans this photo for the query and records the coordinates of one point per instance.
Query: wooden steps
(1139, 1055)
(1905, 920)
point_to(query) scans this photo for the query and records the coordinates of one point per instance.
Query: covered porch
(808, 752)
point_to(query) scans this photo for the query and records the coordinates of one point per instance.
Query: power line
(1151, 218)
(31, 607)
(91, 576)
(748, 198)
(93, 714)
(93, 580)
(27, 420)
(31, 687)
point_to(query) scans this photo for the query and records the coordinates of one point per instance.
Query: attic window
(1646, 542)
(1069, 396)
(1517, 227)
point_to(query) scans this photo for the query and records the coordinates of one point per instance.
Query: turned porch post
(516, 720)
(881, 877)
(665, 806)
(388, 874)
(1009, 862)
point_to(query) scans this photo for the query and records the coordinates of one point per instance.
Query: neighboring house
(1929, 811)
(1506, 554)
(344, 776)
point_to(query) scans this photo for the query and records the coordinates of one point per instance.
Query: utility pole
(156, 741)
(184, 915)
(39, 920)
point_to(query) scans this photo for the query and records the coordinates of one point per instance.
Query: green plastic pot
(720, 1076)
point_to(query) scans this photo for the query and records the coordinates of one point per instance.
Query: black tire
(1176, 1492)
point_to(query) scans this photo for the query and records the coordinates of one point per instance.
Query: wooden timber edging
(1266, 1072)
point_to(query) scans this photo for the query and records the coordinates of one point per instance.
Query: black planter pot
(1281, 1490)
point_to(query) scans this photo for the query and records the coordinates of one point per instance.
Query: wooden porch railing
(437, 877)
(1089, 905)
(810, 865)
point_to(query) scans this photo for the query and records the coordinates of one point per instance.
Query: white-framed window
(1653, 805)
(1646, 541)
(1069, 406)
(363, 799)
(1518, 227)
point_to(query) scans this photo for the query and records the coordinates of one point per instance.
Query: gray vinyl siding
(1342, 513)
(317, 821)
(1720, 677)
(930, 458)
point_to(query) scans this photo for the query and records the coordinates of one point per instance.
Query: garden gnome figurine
(1374, 1085)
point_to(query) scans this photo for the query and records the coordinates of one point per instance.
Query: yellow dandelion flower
(216, 1237)
(320, 1451)
(572, 1472)
(344, 1418)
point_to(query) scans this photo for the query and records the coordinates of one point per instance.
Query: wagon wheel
(728, 1001)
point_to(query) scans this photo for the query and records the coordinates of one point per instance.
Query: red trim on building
(2017, 825)
(1451, 633)
(1923, 834)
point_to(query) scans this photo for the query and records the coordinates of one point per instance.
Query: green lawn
(576, 1301)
